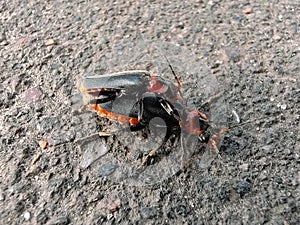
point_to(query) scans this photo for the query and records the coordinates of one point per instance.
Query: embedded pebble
(179, 210)
(111, 205)
(61, 138)
(61, 220)
(276, 37)
(244, 166)
(93, 151)
(27, 215)
(106, 169)
(32, 95)
(148, 212)
(50, 42)
(43, 144)
(242, 187)
(248, 10)
(283, 106)
(233, 54)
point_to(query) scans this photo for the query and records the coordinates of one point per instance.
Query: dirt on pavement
(246, 51)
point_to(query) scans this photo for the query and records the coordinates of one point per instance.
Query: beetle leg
(183, 164)
(215, 140)
(153, 153)
(82, 108)
(137, 127)
(212, 149)
(166, 106)
(150, 155)
(141, 111)
(216, 137)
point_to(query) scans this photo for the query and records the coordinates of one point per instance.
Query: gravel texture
(250, 50)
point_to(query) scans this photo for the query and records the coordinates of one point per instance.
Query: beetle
(136, 97)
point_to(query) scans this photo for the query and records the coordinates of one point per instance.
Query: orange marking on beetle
(191, 125)
(113, 116)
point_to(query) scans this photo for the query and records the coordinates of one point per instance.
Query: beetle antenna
(173, 72)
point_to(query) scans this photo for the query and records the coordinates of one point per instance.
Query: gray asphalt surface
(250, 47)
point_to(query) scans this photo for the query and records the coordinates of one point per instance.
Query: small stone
(276, 37)
(111, 205)
(106, 169)
(248, 10)
(263, 176)
(180, 25)
(93, 151)
(283, 106)
(50, 42)
(61, 220)
(86, 63)
(77, 18)
(21, 40)
(95, 197)
(223, 194)
(148, 212)
(61, 137)
(32, 95)
(179, 210)
(115, 205)
(104, 40)
(233, 54)
(294, 28)
(244, 166)
(90, 22)
(242, 187)
(43, 144)
(27, 215)
(109, 216)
